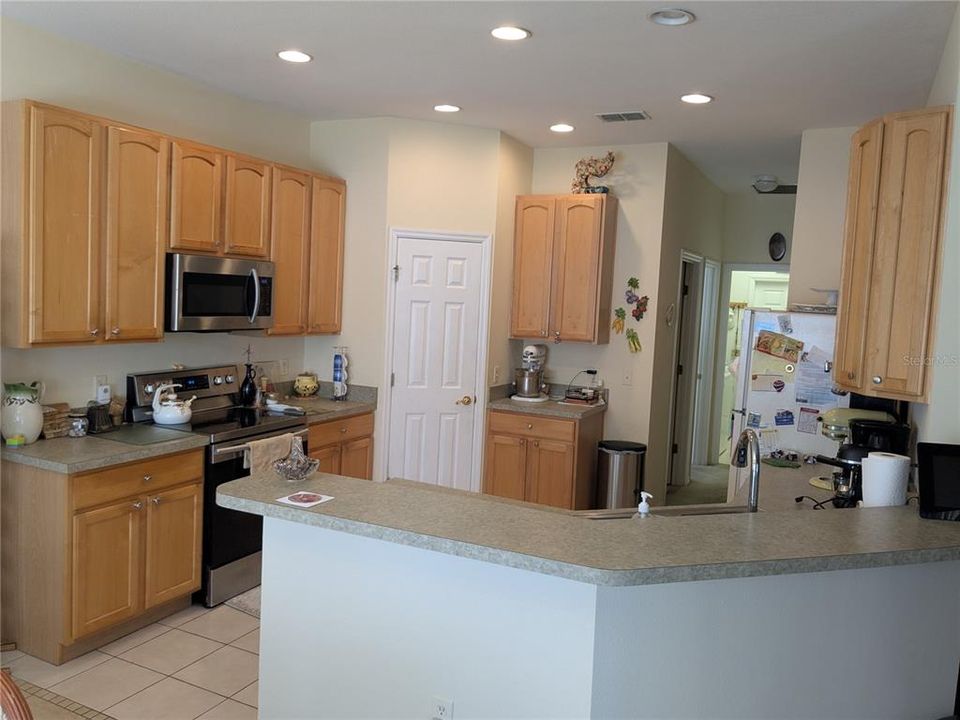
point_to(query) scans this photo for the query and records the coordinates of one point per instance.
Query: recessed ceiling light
(447, 108)
(671, 17)
(510, 32)
(562, 128)
(696, 98)
(294, 56)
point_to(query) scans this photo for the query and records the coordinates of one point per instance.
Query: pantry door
(435, 367)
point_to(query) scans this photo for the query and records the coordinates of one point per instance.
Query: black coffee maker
(864, 437)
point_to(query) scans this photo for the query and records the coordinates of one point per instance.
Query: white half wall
(354, 627)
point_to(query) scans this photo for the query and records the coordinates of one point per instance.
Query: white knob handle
(877, 379)
(95, 331)
(115, 331)
(137, 505)
(156, 500)
(529, 426)
(147, 478)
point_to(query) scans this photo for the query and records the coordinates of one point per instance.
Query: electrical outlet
(627, 377)
(496, 374)
(441, 708)
(284, 369)
(98, 380)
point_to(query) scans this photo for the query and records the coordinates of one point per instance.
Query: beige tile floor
(198, 663)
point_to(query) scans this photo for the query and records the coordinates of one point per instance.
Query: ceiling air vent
(629, 116)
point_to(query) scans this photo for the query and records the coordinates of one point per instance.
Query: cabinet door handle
(556, 337)
(115, 331)
(156, 500)
(536, 443)
(343, 430)
(523, 443)
(877, 379)
(95, 332)
(529, 426)
(137, 505)
(147, 478)
(850, 374)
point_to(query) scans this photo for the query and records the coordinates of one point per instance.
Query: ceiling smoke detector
(626, 116)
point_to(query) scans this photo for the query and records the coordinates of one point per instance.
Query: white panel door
(436, 339)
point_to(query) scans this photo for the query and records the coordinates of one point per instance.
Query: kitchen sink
(667, 511)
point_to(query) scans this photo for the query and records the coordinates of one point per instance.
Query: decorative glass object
(296, 466)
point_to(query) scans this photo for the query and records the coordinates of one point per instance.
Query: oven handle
(218, 453)
(256, 295)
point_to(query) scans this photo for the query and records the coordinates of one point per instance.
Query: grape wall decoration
(620, 314)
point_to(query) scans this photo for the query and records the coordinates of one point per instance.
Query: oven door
(232, 540)
(210, 294)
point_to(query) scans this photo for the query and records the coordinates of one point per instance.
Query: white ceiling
(776, 68)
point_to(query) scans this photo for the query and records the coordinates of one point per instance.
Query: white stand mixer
(528, 378)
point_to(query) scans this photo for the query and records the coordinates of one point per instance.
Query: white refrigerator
(784, 382)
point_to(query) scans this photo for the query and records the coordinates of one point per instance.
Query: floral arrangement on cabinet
(591, 167)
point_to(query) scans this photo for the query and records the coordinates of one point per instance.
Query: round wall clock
(778, 246)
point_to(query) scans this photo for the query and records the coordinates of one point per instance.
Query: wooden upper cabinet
(891, 254)
(291, 247)
(196, 188)
(863, 188)
(902, 294)
(563, 267)
(136, 223)
(106, 566)
(326, 255)
(246, 216)
(576, 281)
(532, 266)
(63, 231)
(173, 542)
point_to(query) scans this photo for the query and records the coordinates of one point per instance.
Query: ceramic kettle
(168, 410)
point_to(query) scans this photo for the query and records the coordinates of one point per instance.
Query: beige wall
(692, 221)
(515, 178)
(414, 175)
(45, 67)
(821, 203)
(638, 179)
(749, 219)
(940, 420)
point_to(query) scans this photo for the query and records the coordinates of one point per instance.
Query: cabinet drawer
(103, 486)
(534, 426)
(334, 431)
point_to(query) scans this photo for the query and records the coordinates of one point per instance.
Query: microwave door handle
(256, 295)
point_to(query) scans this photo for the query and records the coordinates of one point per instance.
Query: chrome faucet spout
(748, 456)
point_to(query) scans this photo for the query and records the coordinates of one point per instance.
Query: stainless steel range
(232, 540)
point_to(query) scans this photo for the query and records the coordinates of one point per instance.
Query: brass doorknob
(465, 400)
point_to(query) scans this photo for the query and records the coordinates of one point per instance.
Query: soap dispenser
(643, 509)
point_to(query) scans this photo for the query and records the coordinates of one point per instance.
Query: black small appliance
(866, 436)
(938, 476)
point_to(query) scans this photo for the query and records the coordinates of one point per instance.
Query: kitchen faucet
(749, 444)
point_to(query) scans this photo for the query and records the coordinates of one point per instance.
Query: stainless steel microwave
(212, 294)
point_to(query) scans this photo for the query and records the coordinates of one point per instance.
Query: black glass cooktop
(237, 422)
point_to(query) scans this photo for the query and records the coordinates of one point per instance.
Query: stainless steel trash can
(619, 473)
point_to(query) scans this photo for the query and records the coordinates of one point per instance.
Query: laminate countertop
(69, 455)
(320, 409)
(659, 549)
(549, 408)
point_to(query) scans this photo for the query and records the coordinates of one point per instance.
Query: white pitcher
(21, 412)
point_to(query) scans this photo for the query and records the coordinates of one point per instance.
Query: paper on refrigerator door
(813, 384)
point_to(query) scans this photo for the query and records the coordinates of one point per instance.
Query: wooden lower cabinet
(93, 556)
(174, 521)
(344, 447)
(107, 566)
(549, 461)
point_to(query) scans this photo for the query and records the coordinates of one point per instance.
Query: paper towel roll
(885, 477)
